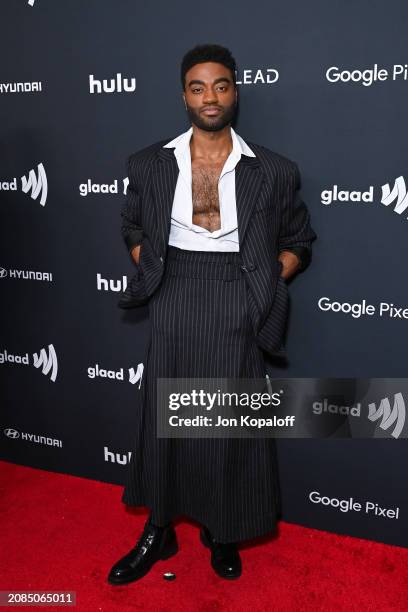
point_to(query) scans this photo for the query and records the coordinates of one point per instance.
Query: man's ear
(184, 100)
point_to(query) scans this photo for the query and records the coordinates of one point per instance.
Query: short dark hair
(207, 53)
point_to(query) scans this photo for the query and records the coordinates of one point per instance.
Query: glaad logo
(26, 274)
(90, 187)
(325, 406)
(115, 85)
(328, 196)
(389, 417)
(47, 361)
(397, 195)
(110, 285)
(14, 434)
(253, 77)
(37, 185)
(134, 375)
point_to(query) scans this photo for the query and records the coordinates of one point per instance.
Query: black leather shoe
(154, 544)
(225, 559)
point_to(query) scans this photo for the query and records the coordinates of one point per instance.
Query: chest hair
(206, 206)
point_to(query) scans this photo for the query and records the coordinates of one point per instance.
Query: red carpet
(63, 533)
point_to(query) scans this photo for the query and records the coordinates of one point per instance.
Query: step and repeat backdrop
(85, 84)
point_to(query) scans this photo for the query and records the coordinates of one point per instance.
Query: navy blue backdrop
(324, 83)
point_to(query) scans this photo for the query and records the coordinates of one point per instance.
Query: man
(214, 226)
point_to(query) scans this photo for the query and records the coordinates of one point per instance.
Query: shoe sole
(169, 552)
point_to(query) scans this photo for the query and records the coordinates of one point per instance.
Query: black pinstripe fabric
(201, 327)
(271, 215)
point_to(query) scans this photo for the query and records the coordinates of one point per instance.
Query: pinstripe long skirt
(200, 327)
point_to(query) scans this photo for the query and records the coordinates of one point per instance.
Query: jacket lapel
(248, 182)
(164, 182)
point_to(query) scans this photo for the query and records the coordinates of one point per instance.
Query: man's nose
(210, 96)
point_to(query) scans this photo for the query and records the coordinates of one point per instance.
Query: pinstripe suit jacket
(271, 217)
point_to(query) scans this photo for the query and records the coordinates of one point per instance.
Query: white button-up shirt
(184, 234)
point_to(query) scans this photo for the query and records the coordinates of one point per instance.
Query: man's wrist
(303, 254)
(291, 263)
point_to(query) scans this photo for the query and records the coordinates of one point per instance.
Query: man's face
(210, 96)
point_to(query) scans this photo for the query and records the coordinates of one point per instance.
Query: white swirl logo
(47, 361)
(37, 185)
(398, 192)
(389, 417)
(136, 376)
